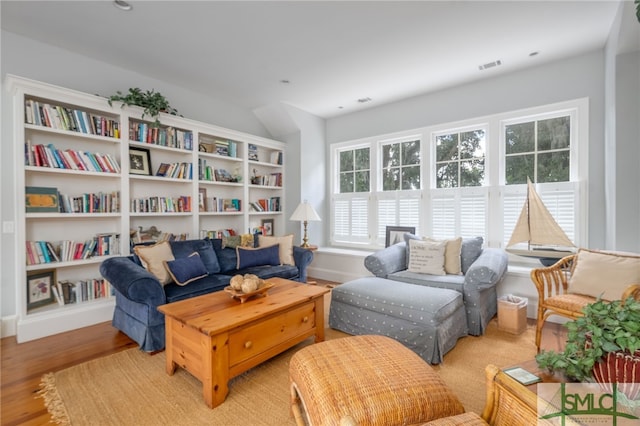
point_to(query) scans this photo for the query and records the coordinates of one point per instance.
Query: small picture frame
(267, 227)
(40, 288)
(139, 161)
(395, 234)
(41, 200)
(202, 199)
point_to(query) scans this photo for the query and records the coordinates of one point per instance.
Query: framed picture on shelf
(202, 199)
(267, 227)
(395, 234)
(41, 199)
(40, 288)
(139, 161)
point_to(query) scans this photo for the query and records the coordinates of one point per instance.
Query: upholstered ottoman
(427, 320)
(372, 380)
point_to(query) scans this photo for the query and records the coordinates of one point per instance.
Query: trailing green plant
(153, 102)
(605, 327)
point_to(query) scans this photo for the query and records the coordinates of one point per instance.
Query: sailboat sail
(536, 226)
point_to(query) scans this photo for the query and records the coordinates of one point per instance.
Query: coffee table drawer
(258, 338)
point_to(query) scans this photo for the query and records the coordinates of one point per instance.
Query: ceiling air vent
(490, 65)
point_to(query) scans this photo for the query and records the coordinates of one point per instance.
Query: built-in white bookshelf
(120, 194)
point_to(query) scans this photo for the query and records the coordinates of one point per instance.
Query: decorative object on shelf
(608, 331)
(202, 199)
(395, 234)
(545, 239)
(41, 200)
(305, 213)
(267, 227)
(153, 102)
(40, 288)
(139, 161)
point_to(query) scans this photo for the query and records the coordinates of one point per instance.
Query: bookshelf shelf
(115, 133)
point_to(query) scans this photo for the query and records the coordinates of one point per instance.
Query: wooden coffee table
(215, 337)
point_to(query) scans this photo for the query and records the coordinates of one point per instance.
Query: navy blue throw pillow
(186, 269)
(248, 257)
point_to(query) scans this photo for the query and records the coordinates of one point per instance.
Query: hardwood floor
(22, 365)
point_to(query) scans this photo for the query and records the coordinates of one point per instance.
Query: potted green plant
(601, 341)
(153, 102)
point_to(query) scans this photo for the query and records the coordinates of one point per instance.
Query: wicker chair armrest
(632, 291)
(553, 279)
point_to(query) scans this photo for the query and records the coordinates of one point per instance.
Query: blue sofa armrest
(133, 281)
(487, 270)
(302, 258)
(387, 261)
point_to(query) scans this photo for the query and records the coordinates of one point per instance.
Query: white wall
(27, 58)
(573, 78)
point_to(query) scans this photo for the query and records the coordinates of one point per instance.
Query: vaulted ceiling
(325, 57)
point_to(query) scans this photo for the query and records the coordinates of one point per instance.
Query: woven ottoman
(372, 380)
(427, 320)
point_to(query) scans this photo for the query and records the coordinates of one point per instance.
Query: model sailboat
(536, 227)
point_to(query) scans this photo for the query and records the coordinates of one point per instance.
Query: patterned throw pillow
(244, 240)
(427, 257)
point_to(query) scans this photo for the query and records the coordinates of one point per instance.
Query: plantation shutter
(350, 218)
(397, 208)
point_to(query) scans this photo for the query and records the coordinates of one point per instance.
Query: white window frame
(493, 188)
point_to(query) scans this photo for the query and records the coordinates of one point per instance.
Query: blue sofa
(138, 293)
(482, 270)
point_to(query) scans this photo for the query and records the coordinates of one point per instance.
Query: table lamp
(304, 213)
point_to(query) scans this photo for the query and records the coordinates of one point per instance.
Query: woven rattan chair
(554, 298)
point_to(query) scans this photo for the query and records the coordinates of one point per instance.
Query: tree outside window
(539, 150)
(460, 159)
(401, 166)
(355, 170)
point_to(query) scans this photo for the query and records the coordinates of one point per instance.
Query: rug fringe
(52, 400)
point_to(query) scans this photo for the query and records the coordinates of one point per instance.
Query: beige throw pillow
(427, 257)
(152, 258)
(286, 246)
(604, 274)
(452, 262)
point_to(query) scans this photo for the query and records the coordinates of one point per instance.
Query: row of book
(67, 292)
(39, 252)
(63, 118)
(266, 204)
(91, 203)
(217, 233)
(161, 204)
(272, 179)
(163, 136)
(175, 170)
(215, 204)
(41, 155)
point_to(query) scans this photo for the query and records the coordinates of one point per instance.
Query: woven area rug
(131, 387)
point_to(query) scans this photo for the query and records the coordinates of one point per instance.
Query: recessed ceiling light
(122, 5)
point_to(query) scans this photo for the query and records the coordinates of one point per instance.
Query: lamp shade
(305, 212)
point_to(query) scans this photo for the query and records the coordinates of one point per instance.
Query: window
(538, 150)
(469, 180)
(400, 162)
(460, 159)
(354, 170)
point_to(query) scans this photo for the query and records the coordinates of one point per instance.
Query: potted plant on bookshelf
(153, 102)
(603, 345)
